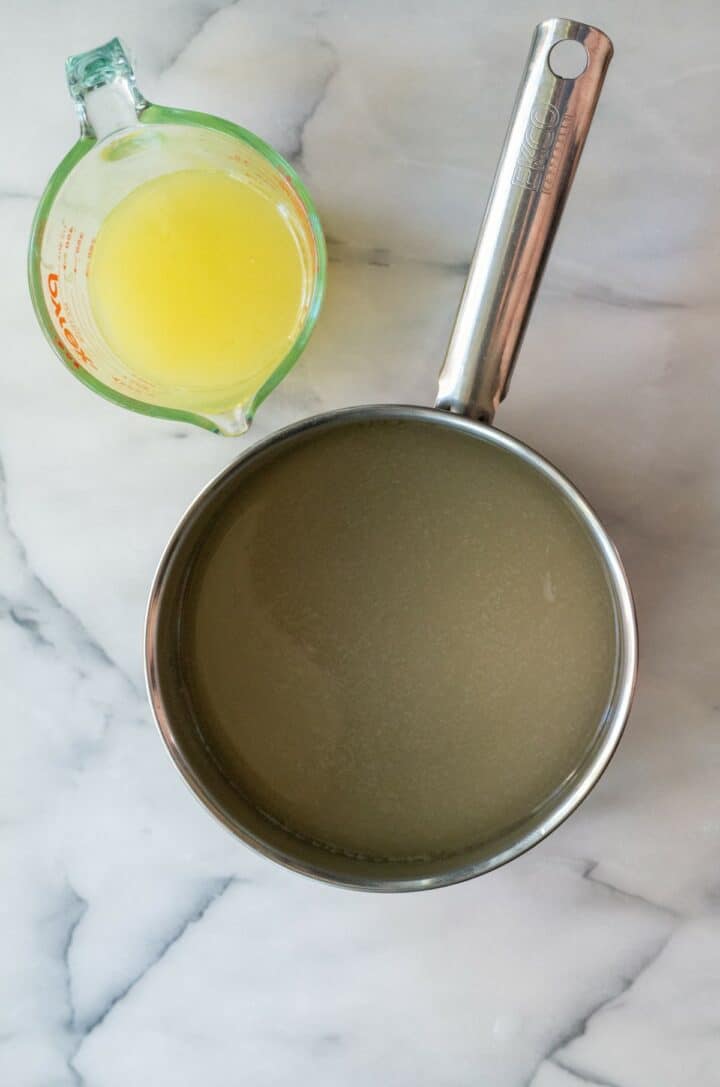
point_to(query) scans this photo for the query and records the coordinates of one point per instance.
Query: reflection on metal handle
(547, 132)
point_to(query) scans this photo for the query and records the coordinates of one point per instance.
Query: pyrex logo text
(53, 287)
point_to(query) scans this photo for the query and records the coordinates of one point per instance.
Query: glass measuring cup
(125, 141)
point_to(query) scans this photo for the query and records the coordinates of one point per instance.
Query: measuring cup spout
(102, 85)
(550, 121)
(230, 423)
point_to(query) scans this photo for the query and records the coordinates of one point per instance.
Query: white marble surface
(139, 943)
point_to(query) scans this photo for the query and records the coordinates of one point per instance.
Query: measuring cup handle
(102, 85)
(542, 148)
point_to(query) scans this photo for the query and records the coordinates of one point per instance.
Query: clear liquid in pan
(398, 640)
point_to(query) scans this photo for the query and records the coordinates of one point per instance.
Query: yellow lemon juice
(198, 284)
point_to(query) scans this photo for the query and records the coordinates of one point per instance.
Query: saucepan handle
(542, 148)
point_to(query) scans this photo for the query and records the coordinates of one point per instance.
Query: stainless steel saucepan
(547, 132)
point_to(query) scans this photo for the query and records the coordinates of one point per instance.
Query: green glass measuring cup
(125, 141)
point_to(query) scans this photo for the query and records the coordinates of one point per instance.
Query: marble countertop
(139, 942)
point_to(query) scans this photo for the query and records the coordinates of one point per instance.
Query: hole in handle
(568, 59)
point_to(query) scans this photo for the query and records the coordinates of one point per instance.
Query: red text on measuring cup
(53, 287)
